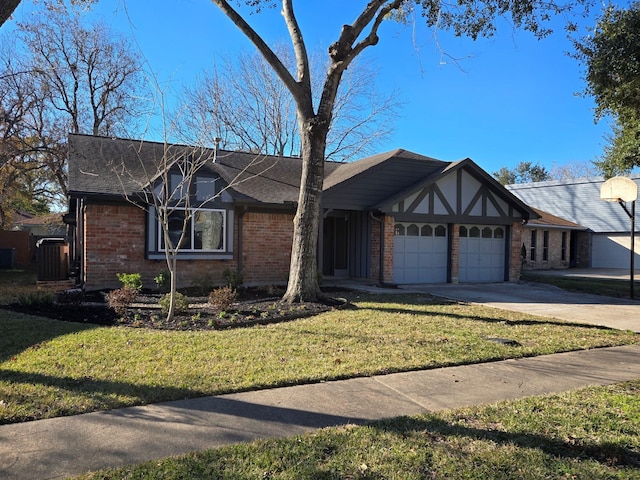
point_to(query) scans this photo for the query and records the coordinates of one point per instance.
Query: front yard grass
(591, 433)
(50, 368)
(593, 285)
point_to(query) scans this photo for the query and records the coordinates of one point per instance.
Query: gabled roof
(364, 184)
(447, 168)
(576, 200)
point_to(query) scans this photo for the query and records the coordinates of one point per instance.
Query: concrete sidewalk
(67, 446)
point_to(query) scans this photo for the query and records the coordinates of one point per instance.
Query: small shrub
(163, 280)
(232, 277)
(36, 298)
(119, 300)
(222, 298)
(131, 280)
(181, 303)
(70, 297)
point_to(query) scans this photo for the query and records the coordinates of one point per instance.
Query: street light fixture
(623, 190)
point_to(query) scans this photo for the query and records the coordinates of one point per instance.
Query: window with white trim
(204, 231)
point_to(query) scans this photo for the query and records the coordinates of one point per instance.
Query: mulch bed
(252, 308)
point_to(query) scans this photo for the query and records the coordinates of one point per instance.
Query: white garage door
(481, 253)
(613, 251)
(420, 253)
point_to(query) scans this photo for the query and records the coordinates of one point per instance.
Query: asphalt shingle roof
(546, 219)
(108, 166)
(576, 200)
(116, 167)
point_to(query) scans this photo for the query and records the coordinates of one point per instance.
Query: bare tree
(577, 169)
(473, 19)
(249, 108)
(68, 77)
(172, 184)
(166, 193)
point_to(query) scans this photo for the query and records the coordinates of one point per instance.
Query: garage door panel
(421, 258)
(481, 259)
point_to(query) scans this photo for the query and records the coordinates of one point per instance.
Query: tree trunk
(303, 283)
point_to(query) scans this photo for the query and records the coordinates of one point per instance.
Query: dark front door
(336, 251)
(573, 249)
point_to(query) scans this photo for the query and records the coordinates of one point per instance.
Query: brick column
(387, 271)
(515, 261)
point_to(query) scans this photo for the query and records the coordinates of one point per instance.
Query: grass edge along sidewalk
(592, 432)
(50, 368)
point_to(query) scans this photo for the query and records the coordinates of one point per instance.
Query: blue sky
(508, 99)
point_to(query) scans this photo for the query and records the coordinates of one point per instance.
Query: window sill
(194, 256)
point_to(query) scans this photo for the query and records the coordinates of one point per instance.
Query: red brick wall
(515, 264)
(388, 223)
(114, 242)
(554, 259)
(266, 250)
(387, 273)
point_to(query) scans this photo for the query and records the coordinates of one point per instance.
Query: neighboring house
(26, 229)
(606, 243)
(50, 225)
(393, 218)
(551, 242)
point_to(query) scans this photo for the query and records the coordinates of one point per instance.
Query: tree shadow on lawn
(104, 392)
(420, 300)
(606, 453)
(25, 332)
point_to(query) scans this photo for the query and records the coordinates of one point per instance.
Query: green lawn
(592, 433)
(50, 368)
(593, 285)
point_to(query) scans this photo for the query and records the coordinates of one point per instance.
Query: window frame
(214, 199)
(533, 245)
(545, 245)
(191, 234)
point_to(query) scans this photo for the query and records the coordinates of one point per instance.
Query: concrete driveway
(543, 300)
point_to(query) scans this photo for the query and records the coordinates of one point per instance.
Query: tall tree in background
(473, 19)
(70, 77)
(611, 54)
(524, 172)
(249, 108)
(7, 7)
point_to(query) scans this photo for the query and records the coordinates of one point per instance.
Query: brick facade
(515, 265)
(114, 242)
(554, 258)
(266, 249)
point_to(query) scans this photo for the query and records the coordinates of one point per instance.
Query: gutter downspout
(381, 255)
